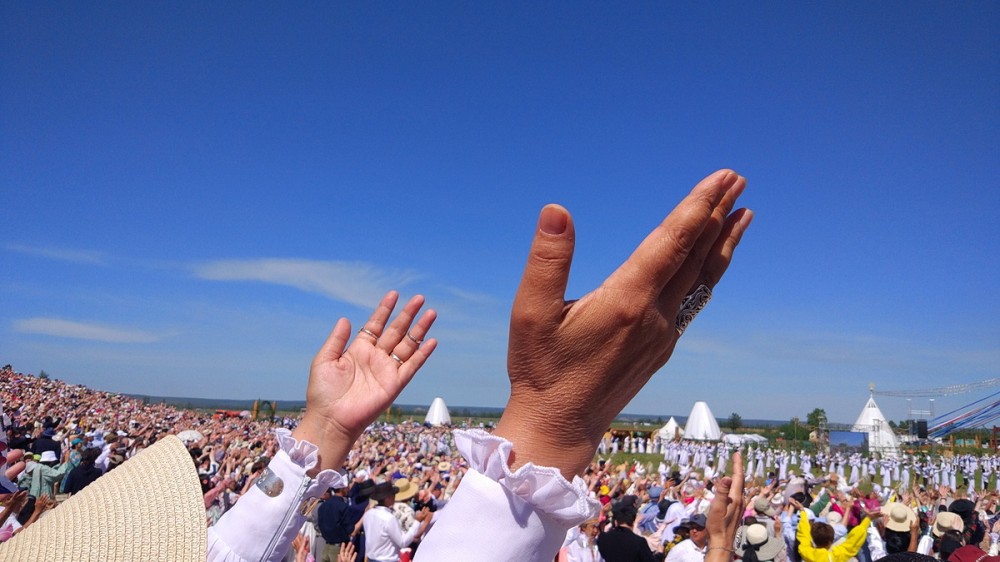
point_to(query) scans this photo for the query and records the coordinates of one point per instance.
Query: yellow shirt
(839, 553)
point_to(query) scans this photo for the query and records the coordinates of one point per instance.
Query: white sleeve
(262, 524)
(511, 515)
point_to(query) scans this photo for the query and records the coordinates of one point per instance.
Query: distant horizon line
(247, 403)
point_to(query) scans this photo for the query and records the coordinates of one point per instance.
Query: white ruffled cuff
(305, 455)
(542, 487)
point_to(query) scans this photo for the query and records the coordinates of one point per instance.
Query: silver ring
(691, 306)
(369, 332)
(413, 339)
(396, 358)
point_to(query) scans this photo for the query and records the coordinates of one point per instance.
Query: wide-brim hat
(898, 517)
(756, 534)
(149, 508)
(407, 489)
(383, 490)
(947, 521)
(763, 506)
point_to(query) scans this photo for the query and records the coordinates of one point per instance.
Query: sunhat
(747, 536)
(947, 521)
(149, 508)
(407, 489)
(383, 490)
(763, 506)
(898, 517)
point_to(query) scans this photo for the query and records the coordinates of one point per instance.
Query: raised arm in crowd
(573, 365)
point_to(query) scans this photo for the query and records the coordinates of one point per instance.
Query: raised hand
(346, 553)
(574, 365)
(350, 385)
(725, 514)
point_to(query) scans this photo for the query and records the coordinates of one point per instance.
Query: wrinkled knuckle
(680, 237)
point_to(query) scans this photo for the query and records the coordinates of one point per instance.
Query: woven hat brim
(148, 508)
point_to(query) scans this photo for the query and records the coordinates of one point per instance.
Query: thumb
(542, 292)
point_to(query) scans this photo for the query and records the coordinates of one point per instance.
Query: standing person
(46, 442)
(336, 523)
(693, 548)
(81, 476)
(583, 546)
(384, 536)
(816, 538)
(621, 544)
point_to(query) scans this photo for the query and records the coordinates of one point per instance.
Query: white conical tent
(881, 438)
(701, 424)
(438, 414)
(671, 431)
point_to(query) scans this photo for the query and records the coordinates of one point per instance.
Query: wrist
(333, 443)
(536, 442)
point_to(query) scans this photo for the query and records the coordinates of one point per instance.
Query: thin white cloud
(81, 331)
(60, 254)
(357, 283)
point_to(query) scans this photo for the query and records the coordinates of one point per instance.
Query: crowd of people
(531, 490)
(61, 437)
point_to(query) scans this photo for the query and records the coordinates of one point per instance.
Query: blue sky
(193, 194)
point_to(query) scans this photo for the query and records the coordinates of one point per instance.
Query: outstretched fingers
(335, 343)
(658, 258)
(372, 330)
(413, 336)
(396, 330)
(691, 270)
(410, 367)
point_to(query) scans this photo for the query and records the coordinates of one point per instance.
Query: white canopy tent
(881, 438)
(738, 439)
(671, 430)
(701, 424)
(438, 414)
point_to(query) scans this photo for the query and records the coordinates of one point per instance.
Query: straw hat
(407, 489)
(149, 508)
(947, 521)
(898, 517)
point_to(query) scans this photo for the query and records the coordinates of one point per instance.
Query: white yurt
(881, 438)
(438, 414)
(701, 424)
(672, 430)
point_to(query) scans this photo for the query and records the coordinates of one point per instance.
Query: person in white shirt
(692, 549)
(384, 536)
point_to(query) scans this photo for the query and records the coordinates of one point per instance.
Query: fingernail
(746, 219)
(553, 220)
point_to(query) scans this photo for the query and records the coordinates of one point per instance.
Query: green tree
(816, 418)
(43, 375)
(735, 421)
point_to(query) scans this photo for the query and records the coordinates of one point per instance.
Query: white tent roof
(701, 424)
(438, 414)
(671, 430)
(881, 438)
(744, 438)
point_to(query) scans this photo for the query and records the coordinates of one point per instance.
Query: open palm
(350, 385)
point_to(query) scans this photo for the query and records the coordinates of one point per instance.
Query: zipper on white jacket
(296, 500)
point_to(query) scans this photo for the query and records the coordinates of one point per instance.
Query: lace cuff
(542, 487)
